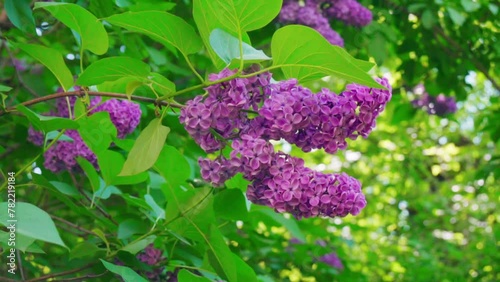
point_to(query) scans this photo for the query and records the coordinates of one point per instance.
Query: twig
(94, 93)
(20, 263)
(84, 277)
(46, 277)
(101, 210)
(73, 225)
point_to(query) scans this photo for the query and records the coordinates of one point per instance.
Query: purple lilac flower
(309, 15)
(124, 114)
(333, 260)
(19, 65)
(36, 137)
(152, 256)
(216, 171)
(62, 155)
(349, 11)
(222, 111)
(439, 105)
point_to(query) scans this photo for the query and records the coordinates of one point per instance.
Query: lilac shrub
(125, 115)
(285, 110)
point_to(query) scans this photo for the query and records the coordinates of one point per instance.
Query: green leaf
(84, 249)
(124, 272)
(206, 22)
(4, 88)
(146, 148)
(456, 16)
(244, 271)
(47, 124)
(304, 54)
(22, 242)
(91, 173)
(101, 8)
(228, 48)
(101, 236)
(244, 15)
(20, 14)
(220, 256)
(138, 246)
(113, 68)
(161, 26)
(230, 204)
(187, 276)
(93, 36)
(428, 19)
(237, 182)
(377, 48)
(134, 201)
(52, 59)
(173, 166)
(32, 222)
(189, 212)
(131, 226)
(97, 131)
(152, 5)
(111, 163)
(65, 188)
(470, 6)
(105, 191)
(80, 110)
(161, 84)
(132, 86)
(159, 211)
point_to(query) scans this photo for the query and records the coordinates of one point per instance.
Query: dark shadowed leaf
(20, 14)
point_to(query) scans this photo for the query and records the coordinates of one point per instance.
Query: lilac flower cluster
(333, 260)
(324, 120)
(152, 256)
(349, 11)
(125, 115)
(292, 112)
(310, 15)
(439, 105)
(316, 14)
